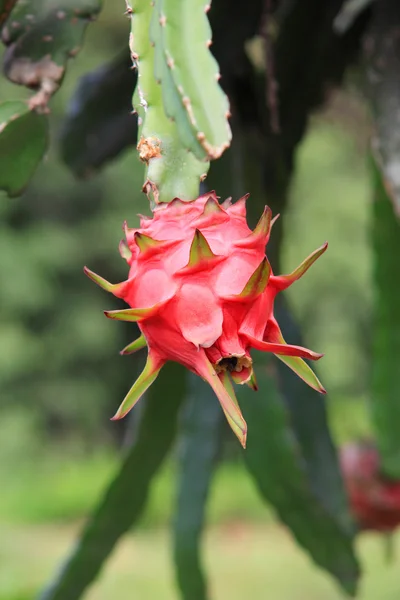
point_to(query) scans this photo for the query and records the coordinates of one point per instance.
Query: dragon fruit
(374, 499)
(202, 293)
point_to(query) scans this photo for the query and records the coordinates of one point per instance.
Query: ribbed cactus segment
(173, 106)
(171, 171)
(189, 75)
(39, 47)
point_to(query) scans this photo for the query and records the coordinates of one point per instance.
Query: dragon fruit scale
(202, 292)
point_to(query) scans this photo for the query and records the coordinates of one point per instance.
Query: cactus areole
(202, 291)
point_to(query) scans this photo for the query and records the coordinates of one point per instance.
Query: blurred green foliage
(55, 341)
(60, 373)
(329, 166)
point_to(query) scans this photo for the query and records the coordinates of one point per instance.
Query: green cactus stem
(189, 75)
(175, 143)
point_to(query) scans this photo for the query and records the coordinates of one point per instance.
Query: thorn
(256, 284)
(252, 382)
(200, 256)
(276, 217)
(227, 202)
(124, 250)
(134, 346)
(263, 226)
(113, 288)
(148, 375)
(130, 315)
(145, 242)
(127, 230)
(134, 315)
(282, 349)
(212, 206)
(282, 282)
(260, 233)
(199, 250)
(148, 245)
(239, 207)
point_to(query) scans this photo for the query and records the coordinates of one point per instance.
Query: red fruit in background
(374, 499)
(202, 292)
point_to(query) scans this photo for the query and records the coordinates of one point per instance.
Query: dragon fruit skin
(374, 499)
(202, 292)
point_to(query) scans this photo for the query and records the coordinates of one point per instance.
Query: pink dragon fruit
(374, 499)
(202, 292)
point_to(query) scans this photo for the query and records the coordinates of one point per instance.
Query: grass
(260, 561)
(66, 490)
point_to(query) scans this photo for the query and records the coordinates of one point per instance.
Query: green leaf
(382, 61)
(37, 57)
(385, 403)
(99, 122)
(274, 459)
(23, 142)
(124, 500)
(189, 74)
(199, 442)
(309, 421)
(383, 71)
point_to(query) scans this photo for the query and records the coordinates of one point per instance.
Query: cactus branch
(172, 143)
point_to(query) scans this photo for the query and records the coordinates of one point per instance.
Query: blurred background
(61, 377)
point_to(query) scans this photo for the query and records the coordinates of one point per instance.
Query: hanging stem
(183, 112)
(171, 170)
